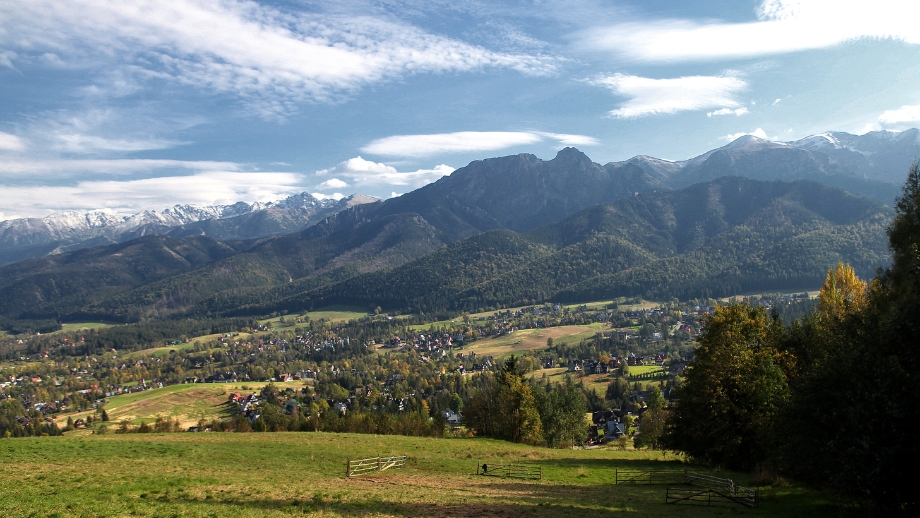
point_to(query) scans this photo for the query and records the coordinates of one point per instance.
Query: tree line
(830, 400)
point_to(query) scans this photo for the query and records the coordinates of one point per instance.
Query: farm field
(531, 339)
(335, 313)
(163, 351)
(285, 474)
(186, 403)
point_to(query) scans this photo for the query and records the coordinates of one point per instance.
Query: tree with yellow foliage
(843, 293)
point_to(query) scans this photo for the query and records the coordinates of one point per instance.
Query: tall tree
(854, 406)
(842, 293)
(732, 391)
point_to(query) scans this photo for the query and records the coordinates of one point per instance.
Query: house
(452, 417)
(576, 365)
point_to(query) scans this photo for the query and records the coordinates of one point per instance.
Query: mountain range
(871, 165)
(67, 231)
(500, 231)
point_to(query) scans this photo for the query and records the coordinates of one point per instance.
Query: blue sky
(126, 106)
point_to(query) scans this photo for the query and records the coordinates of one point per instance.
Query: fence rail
(355, 468)
(713, 490)
(649, 477)
(514, 470)
(701, 479)
(708, 496)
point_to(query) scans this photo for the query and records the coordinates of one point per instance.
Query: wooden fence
(649, 477)
(709, 496)
(354, 468)
(713, 491)
(515, 470)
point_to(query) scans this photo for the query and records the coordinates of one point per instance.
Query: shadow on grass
(376, 507)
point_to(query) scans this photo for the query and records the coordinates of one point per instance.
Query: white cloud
(907, 114)
(334, 196)
(332, 183)
(728, 111)
(365, 173)
(10, 142)
(271, 59)
(665, 96)
(465, 142)
(783, 26)
(570, 140)
(129, 197)
(63, 168)
(759, 133)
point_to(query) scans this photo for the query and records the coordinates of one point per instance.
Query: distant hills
(500, 231)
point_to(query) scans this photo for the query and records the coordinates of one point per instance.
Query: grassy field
(163, 351)
(296, 474)
(643, 369)
(80, 326)
(531, 339)
(185, 403)
(335, 313)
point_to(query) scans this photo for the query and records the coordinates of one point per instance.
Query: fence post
(378, 462)
(348, 469)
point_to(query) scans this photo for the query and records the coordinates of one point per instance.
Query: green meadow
(302, 474)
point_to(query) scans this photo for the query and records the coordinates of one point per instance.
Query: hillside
(711, 239)
(230, 474)
(720, 238)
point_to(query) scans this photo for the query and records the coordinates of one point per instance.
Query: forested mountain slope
(718, 238)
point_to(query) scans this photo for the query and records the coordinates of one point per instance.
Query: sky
(128, 106)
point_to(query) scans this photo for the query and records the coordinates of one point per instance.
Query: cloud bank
(783, 26)
(666, 96)
(907, 114)
(369, 174)
(132, 196)
(466, 142)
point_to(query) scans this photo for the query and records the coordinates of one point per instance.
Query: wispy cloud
(270, 59)
(907, 114)
(79, 143)
(466, 141)
(782, 26)
(132, 196)
(665, 96)
(10, 142)
(366, 173)
(64, 168)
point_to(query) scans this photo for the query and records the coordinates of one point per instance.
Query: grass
(81, 326)
(643, 369)
(334, 313)
(163, 351)
(529, 340)
(284, 474)
(186, 403)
